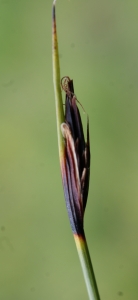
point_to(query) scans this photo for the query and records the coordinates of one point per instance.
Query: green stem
(57, 87)
(80, 241)
(87, 268)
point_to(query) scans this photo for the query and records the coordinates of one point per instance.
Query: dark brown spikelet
(77, 159)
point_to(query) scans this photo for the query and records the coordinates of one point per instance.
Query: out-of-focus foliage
(98, 47)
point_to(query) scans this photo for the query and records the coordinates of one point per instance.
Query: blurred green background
(98, 47)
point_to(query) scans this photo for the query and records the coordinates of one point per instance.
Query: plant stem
(87, 268)
(80, 241)
(57, 87)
